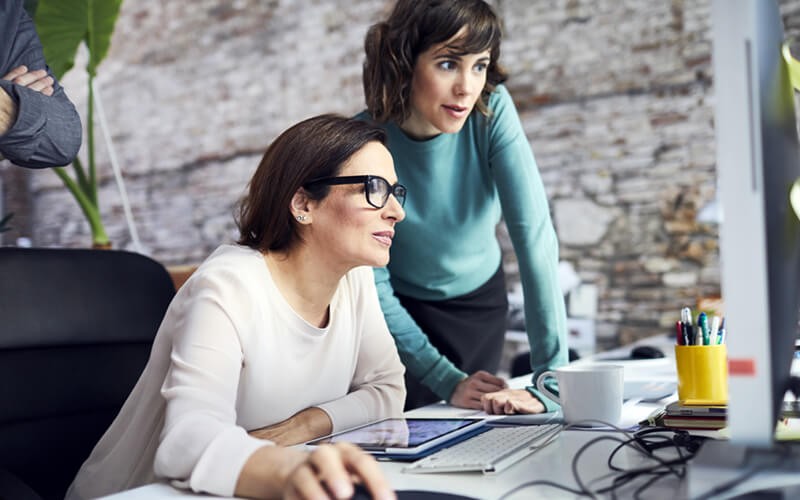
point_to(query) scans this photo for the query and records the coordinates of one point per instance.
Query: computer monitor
(757, 163)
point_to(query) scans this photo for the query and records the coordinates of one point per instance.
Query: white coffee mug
(587, 391)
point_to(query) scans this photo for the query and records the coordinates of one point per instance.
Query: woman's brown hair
(414, 26)
(314, 148)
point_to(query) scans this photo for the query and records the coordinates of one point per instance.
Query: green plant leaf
(794, 198)
(793, 65)
(63, 24)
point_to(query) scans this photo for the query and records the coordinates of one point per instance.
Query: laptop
(406, 438)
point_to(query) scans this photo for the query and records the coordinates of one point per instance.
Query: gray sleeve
(47, 131)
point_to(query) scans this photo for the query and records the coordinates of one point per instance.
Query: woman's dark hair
(414, 26)
(314, 148)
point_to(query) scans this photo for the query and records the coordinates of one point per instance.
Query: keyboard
(490, 451)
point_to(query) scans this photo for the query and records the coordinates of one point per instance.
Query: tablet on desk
(405, 437)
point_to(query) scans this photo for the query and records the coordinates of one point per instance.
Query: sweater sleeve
(422, 360)
(47, 129)
(200, 445)
(527, 216)
(377, 389)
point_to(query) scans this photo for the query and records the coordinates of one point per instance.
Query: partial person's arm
(36, 129)
(293, 473)
(303, 426)
(8, 112)
(201, 447)
(421, 359)
(424, 361)
(527, 216)
(377, 389)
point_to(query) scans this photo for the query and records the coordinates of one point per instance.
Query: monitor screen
(757, 162)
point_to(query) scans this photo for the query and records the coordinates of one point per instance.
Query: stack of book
(694, 416)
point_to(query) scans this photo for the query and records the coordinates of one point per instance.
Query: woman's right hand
(469, 391)
(330, 471)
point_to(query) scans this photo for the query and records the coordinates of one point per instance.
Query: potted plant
(62, 26)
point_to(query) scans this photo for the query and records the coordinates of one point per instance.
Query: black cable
(663, 467)
(643, 442)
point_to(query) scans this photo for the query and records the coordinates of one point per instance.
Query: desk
(551, 463)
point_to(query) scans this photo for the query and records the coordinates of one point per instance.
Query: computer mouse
(361, 493)
(646, 352)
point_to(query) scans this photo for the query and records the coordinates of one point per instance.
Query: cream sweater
(232, 356)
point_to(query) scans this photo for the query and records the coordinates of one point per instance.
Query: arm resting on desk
(299, 428)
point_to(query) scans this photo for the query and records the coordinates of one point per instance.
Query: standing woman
(276, 340)
(432, 79)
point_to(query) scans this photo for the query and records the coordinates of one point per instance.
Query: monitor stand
(722, 469)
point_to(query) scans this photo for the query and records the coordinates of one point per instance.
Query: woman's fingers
(330, 470)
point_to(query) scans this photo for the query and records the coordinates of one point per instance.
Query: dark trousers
(468, 330)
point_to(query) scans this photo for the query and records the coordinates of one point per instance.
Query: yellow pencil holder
(702, 374)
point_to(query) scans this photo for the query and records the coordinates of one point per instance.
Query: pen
(721, 333)
(686, 316)
(702, 327)
(686, 320)
(686, 338)
(712, 337)
(679, 333)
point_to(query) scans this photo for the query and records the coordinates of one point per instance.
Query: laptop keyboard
(490, 451)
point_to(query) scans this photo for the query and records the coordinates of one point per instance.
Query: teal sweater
(459, 185)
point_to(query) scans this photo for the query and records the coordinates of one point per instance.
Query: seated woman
(276, 340)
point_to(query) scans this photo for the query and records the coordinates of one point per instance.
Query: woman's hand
(301, 427)
(330, 471)
(468, 392)
(37, 80)
(510, 401)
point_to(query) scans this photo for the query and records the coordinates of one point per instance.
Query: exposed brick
(615, 97)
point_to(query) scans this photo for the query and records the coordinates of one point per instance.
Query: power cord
(644, 442)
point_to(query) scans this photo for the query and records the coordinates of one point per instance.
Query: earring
(301, 218)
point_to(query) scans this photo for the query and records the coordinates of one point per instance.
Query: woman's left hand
(301, 427)
(510, 401)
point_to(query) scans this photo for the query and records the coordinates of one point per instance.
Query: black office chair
(76, 328)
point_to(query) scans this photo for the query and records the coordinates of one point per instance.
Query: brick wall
(616, 98)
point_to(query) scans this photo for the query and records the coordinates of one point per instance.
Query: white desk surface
(553, 463)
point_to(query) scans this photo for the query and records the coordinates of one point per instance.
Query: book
(690, 422)
(676, 409)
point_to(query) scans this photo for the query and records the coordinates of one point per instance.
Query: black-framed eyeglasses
(376, 188)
